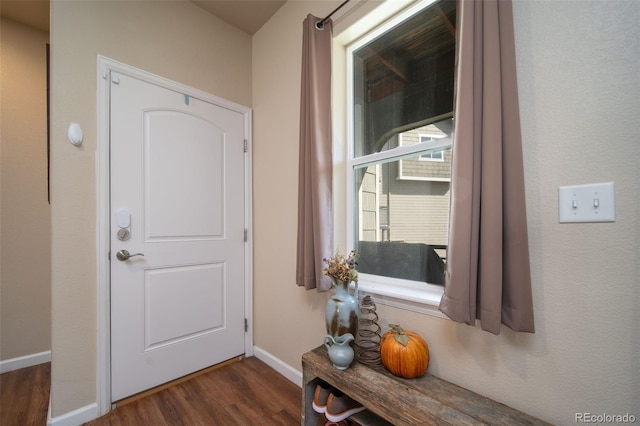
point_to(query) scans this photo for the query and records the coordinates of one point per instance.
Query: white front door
(177, 198)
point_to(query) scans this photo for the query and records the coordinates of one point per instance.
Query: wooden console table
(393, 400)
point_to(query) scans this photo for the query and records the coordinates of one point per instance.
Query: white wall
(578, 66)
(176, 40)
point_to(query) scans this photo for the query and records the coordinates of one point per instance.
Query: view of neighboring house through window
(434, 155)
(401, 95)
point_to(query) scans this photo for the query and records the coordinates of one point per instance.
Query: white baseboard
(24, 361)
(75, 417)
(277, 364)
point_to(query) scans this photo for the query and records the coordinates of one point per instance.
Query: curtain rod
(320, 24)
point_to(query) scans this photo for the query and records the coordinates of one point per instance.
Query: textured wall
(578, 68)
(25, 223)
(286, 318)
(579, 108)
(176, 40)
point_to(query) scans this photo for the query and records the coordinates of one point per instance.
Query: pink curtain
(315, 221)
(488, 272)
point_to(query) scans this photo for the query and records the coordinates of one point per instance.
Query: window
(400, 100)
(433, 155)
(433, 164)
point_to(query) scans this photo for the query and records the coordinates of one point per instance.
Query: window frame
(410, 295)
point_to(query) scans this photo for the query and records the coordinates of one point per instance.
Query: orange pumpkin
(404, 353)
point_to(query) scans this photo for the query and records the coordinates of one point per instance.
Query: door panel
(177, 167)
(171, 168)
(183, 302)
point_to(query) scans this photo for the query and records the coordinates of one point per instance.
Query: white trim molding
(75, 417)
(24, 361)
(290, 373)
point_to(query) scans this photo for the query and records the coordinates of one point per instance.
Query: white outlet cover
(587, 203)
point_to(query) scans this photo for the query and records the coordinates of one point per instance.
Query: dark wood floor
(247, 392)
(24, 396)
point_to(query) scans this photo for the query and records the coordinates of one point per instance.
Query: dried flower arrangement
(341, 267)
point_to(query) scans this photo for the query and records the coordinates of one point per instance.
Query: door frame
(103, 213)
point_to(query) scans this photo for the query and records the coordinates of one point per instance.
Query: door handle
(124, 255)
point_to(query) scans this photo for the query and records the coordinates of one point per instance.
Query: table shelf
(426, 400)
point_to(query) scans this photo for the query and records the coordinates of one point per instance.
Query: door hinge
(245, 234)
(246, 325)
(246, 145)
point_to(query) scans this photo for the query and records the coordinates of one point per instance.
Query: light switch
(587, 203)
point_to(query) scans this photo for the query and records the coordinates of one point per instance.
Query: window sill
(403, 294)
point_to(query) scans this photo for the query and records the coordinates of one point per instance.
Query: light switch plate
(587, 203)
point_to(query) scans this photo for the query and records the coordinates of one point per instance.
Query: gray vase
(343, 311)
(340, 352)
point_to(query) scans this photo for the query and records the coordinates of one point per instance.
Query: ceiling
(247, 15)
(34, 13)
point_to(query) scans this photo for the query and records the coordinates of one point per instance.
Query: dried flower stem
(341, 267)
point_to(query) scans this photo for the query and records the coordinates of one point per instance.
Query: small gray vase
(340, 351)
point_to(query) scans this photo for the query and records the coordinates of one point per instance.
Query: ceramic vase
(343, 312)
(340, 353)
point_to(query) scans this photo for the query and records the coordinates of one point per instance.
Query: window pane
(403, 84)
(403, 79)
(402, 223)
